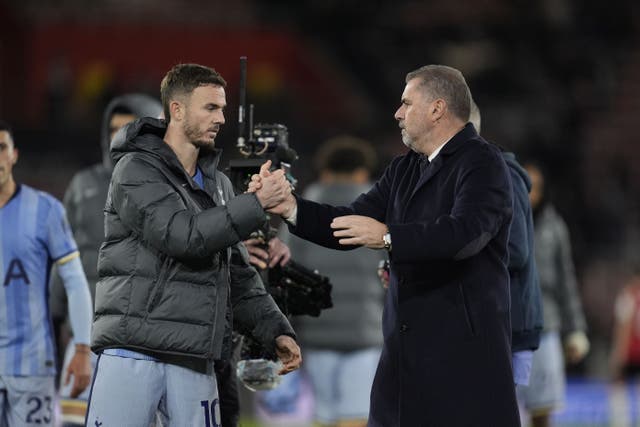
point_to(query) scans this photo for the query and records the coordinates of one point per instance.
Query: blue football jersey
(34, 234)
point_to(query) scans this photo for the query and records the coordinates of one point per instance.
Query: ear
(437, 109)
(15, 156)
(176, 109)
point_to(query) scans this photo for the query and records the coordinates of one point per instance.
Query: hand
(80, 368)
(289, 354)
(286, 207)
(359, 230)
(279, 253)
(257, 255)
(271, 188)
(576, 346)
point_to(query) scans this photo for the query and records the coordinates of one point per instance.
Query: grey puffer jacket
(560, 299)
(172, 264)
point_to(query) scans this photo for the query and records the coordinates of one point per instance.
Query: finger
(344, 232)
(351, 241)
(67, 377)
(258, 252)
(264, 169)
(278, 173)
(257, 262)
(288, 365)
(285, 258)
(341, 222)
(75, 390)
(256, 178)
(275, 259)
(253, 241)
(253, 187)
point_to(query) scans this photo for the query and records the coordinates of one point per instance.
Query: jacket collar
(466, 133)
(454, 144)
(146, 135)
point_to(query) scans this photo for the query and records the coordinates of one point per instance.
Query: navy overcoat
(446, 359)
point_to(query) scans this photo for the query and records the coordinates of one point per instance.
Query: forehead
(412, 89)
(5, 138)
(209, 94)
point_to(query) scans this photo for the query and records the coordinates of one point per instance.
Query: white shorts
(546, 390)
(341, 382)
(130, 392)
(26, 401)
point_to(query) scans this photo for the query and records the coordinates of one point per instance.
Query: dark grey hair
(447, 83)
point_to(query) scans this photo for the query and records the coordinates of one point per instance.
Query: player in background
(34, 236)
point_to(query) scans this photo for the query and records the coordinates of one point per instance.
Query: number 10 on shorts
(210, 413)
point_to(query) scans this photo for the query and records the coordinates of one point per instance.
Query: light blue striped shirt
(34, 234)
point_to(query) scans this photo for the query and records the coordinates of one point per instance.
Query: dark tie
(424, 165)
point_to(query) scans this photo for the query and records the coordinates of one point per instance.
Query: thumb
(264, 169)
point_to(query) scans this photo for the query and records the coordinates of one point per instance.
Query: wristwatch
(386, 238)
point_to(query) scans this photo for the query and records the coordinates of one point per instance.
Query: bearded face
(204, 114)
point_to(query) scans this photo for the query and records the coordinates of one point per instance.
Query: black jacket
(526, 302)
(446, 358)
(172, 264)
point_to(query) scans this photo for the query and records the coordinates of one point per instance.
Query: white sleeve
(80, 305)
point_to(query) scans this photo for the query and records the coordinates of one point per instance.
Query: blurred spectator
(343, 345)
(625, 352)
(563, 316)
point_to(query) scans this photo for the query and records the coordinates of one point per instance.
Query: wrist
(291, 211)
(83, 348)
(386, 239)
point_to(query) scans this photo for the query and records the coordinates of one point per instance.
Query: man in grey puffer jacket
(174, 276)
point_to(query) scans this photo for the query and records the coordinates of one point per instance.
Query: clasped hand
(273, 190)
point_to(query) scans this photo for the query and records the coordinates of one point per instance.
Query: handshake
(273, 191)
(274, 194)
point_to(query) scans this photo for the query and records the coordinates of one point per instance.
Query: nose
(220, 118)
(399, 115)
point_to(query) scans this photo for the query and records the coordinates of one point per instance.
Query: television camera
(296, 289)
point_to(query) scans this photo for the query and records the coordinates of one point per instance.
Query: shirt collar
(437, 150)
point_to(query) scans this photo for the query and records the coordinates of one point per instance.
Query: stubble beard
(407, 140)
(198, 138)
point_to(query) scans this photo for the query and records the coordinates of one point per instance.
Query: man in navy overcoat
(443, 212)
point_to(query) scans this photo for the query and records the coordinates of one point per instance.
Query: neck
(7, 190)
(186, 152)
(440, 135)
